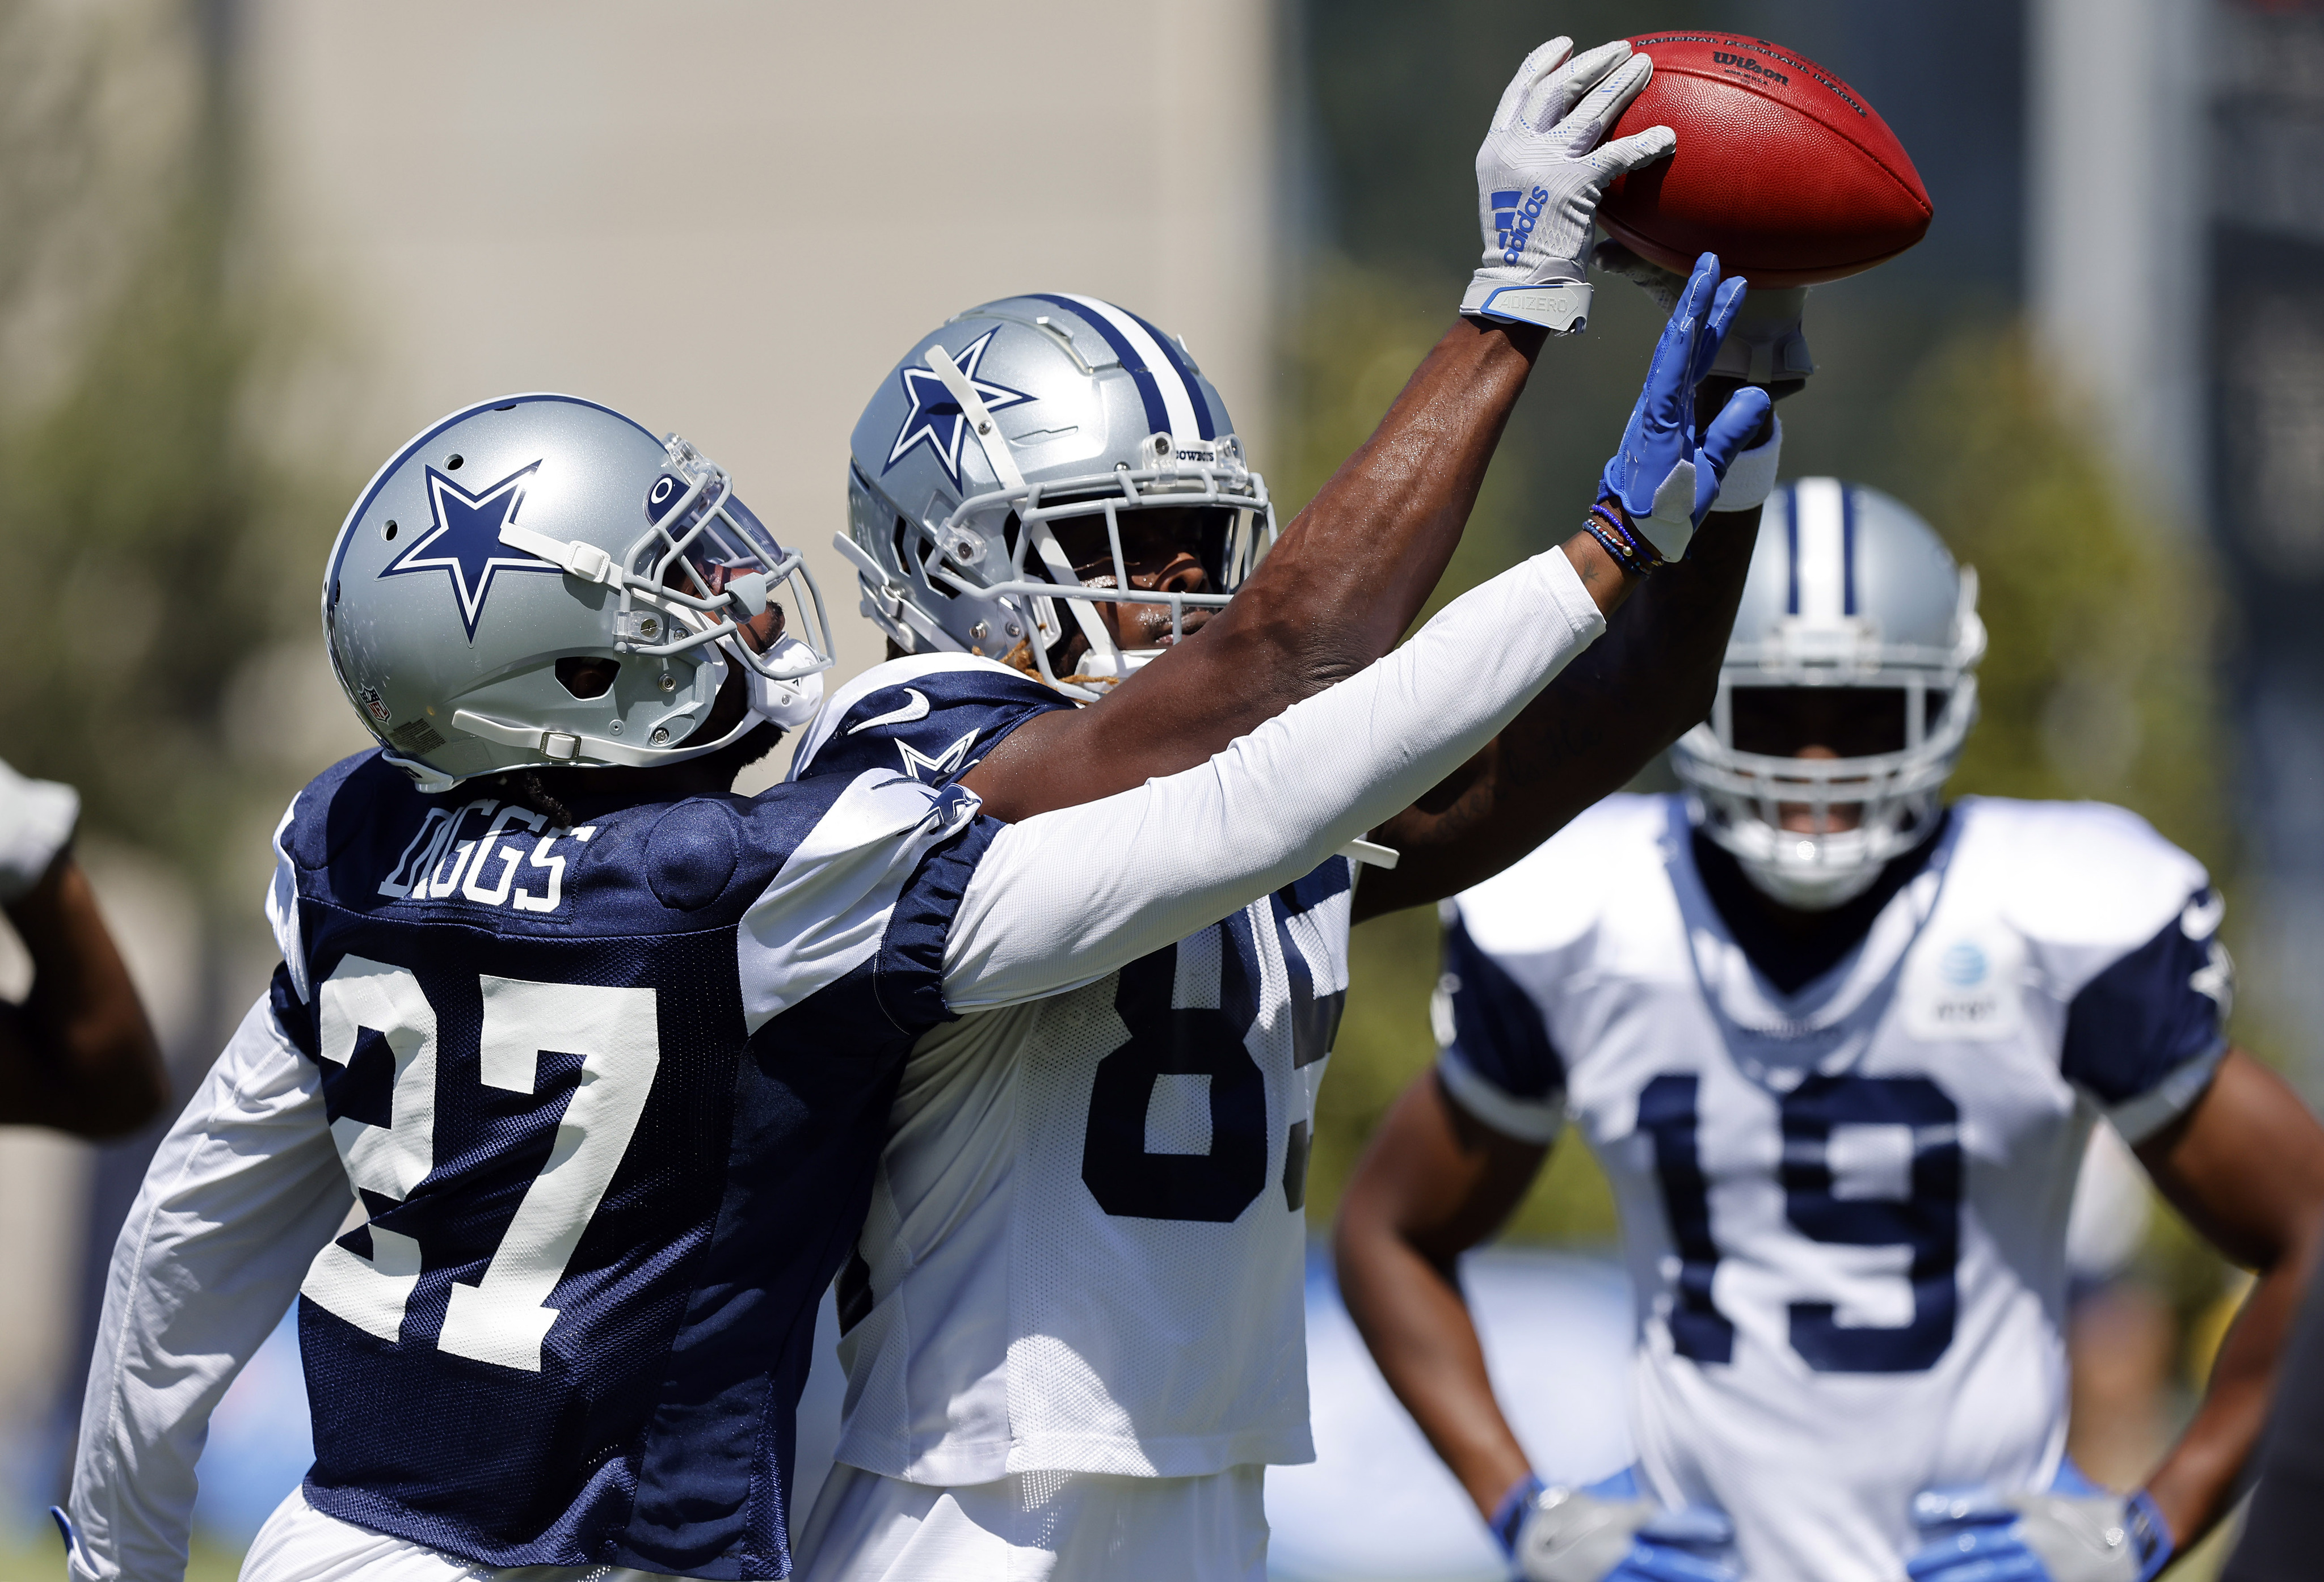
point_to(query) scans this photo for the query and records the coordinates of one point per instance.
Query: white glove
(1541, 172)
(2075, 1531)
(1608, 1533)
(1763, 346)
(36, 820)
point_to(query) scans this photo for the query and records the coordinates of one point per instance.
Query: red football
(1781, 168)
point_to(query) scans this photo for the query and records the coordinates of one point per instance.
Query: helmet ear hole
(588, 675)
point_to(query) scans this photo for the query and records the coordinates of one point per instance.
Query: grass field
(45, 1562)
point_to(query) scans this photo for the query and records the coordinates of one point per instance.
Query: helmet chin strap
(995, 446)
(787, 703)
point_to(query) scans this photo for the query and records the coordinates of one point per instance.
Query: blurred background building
(247, 246)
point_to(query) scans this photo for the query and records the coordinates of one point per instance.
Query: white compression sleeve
(1065, 898)
(244, 1192)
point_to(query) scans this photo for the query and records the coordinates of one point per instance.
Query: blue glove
(1608, 1533)
(1665, 476)
(2075, 1532)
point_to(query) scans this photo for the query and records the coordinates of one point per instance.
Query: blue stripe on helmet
(1846, 549)
(1204, 419)
(1791, 549)
(1158, 414)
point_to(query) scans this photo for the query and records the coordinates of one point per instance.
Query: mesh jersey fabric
(1085, 1247)
(1844, 1210)
(498, 1001)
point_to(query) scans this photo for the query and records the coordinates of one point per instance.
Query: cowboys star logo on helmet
(935, 418)
(655, 587)
(465, 541)
(956, 499)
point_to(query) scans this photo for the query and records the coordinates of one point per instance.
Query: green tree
(140, 524)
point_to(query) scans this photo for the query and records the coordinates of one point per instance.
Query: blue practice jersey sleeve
(1497, 1059)
(931, 718)
(2144, 1036)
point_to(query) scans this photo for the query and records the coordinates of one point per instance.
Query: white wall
(730, 219)
(2116, 205)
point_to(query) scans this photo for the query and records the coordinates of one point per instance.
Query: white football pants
(299, 1543)
(1036, 1527)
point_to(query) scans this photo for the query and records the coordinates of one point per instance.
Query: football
(1781, 168)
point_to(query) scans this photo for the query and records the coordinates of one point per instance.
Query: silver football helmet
(1848, 588)
(1012, 418)
(539, 582)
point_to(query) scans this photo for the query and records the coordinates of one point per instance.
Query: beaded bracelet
(1620, 541)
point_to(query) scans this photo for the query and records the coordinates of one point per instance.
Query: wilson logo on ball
(1745, 63)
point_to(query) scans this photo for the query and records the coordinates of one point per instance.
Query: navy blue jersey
(933, 717)
(610, 1095)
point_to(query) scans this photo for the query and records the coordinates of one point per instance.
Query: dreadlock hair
(528, 790)
(545, 792)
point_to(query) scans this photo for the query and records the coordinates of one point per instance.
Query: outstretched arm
(1637, 690)
(1067, 897)
(1335, 592)
(2246, 1166)
(1181, 852)
(1354, 568)
(1589, 734)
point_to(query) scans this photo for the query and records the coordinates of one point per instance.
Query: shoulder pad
(932, 717)
(337, 804)
(320, 820)
(2072, 873)
(1553, 895)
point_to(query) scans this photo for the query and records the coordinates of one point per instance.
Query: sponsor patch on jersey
(1960, 986)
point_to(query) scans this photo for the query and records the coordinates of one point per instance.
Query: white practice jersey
(1844, 1208)
(1085, 1248)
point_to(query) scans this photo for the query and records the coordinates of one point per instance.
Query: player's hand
(1607, 1533)
(2075, 1531)
(1541, 172)
(1764, 346)
(36, 820)
(1669, 470)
